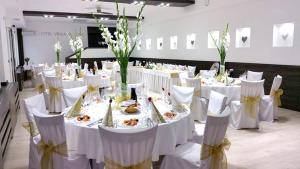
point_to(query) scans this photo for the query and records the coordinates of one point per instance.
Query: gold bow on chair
(110, 164)
(92, 89)
(54, 92)
(40, 88)
(197, 93)
(277, 94)
(174, 75)
(217, 154)
(250, 104)
(47, 151)
(31, 128)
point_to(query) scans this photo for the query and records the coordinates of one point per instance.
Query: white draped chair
(183, 95)
(254, 76)
(244, 113)
(54, 91)
(195, 156)
(53, 141)
(72, 95)
(127, 149)
(268, 107)
(199, 104)
(38, 69)
(93, 84)
(29, 104)
(49, 72)
(216, 105)
(40, 86)
(208, 73)
(191, 72)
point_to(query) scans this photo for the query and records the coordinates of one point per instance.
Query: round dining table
(83, 138)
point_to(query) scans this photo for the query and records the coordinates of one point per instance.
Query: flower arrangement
(26, 60)
(123, 46)
(76, 46)
(223, 47)
(57, 49)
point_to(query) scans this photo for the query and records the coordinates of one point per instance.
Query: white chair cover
(73, 94)
(52, 128)
(183, 95)
(94, 81)
(127, 148)
(254, 76)
(29, 105)
(187, 156)
(49, 72)
(191, 72)
(217, 103)
(240, 118)
(199, 104)
(208, 73)
(55, 104)
(38, 69)
(268, 111)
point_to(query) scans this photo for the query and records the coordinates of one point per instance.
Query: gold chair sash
(81, 74)
(250, 104)
(277, 96)
(31, 128)
(174, 75)
(92, 89)
(40, 88)
(110, 164)
(47, 150)
(76, 108)
(197, 93)
(217, 154)
(158, 115)
(54, 92)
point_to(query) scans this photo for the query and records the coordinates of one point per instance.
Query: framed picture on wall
(173, 42)
(283, 35)
(160, 43)
(148, 44)
(242, 38)
(191, 41)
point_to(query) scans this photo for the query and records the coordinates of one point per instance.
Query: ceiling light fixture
(72, 17)
(164, 4)
(135, 2)
(142, 2)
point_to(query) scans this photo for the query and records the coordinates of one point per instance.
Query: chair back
(49, 72)
(73, 94)
(208, 73)
(126, 148)
(276, 83)
(182, 94)
(214, 134)
(52, 128)
(192, 82)
(217, 102)
(192, 70)
(254, 76)
(55, 93)
(38, 69)
(94, 80)
(35, 102)
(252, 88)
(215, 66)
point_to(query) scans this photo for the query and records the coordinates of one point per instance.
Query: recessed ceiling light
(135, 2)
(72, 17)
(46, 16)
(142, 3)
(167, 4)
(51, 16)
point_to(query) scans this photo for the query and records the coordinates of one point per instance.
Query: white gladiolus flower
(57, 46)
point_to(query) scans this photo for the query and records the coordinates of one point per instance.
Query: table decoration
(57, 49)
(108, 119)
(122, 46)
(76, 46)
(222, 47)
(155, 114)
(76, 108)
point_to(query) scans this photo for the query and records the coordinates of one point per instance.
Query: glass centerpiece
(122, 45)
(76, 46)
(222, 49)
(57, 49)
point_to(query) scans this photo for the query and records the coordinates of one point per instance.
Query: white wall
(39, 39)
(96, 53)
(260, 15)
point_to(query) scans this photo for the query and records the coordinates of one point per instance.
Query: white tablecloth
(85, 140)
(154, 80)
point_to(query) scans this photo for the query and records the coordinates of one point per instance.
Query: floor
(274, 146)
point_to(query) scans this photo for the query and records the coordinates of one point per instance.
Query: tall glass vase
(123, 74)
(78, 59)
(57, 57)
(222, 69)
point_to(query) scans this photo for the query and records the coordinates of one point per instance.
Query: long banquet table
(154, 80)
(85, 140)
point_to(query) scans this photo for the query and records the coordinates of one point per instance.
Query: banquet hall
(149, 84)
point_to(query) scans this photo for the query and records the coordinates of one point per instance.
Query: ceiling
(15, 8)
